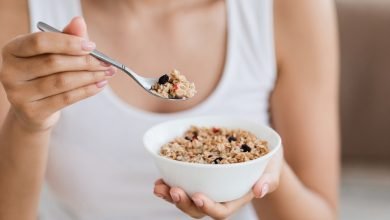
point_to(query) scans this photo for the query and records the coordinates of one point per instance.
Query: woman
(59, 125)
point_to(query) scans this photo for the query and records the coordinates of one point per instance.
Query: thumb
(77, 27)
(269, 181)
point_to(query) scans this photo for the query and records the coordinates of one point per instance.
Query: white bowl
(220, 182)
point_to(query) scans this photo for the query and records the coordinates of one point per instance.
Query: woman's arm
(22, 153)
(23, 156)
(39, 79)
(304, 110)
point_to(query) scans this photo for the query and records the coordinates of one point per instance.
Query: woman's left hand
(199, 205)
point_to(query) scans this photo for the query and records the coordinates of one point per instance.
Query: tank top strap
(54, 12)
(253, 24)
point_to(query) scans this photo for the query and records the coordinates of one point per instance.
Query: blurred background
(365, 108)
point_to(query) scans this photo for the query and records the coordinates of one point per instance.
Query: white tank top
(98, 168)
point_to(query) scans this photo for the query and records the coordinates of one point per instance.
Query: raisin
(245, 148)
(163, 79)
(217, 160)
(195, 135)
(216, 130)
(188, 139)
(231, 138)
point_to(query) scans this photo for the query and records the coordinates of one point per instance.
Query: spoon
(145, 83)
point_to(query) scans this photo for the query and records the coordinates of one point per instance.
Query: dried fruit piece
(245, 148)
(163, 79)
(231, 139)
(210, 147)
(216, 130)
(217, 160)
(174, 85)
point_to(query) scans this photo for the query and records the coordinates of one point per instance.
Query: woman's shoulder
(306, 26)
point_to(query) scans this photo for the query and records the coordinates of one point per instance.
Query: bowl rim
(183, 163)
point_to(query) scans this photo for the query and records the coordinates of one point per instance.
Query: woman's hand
(199, 205)
(44, 72)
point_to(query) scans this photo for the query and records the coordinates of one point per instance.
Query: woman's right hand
(44, 72)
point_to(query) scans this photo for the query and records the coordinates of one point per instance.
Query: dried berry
(217, 160)
(245, 148)
(231, 138)
(163, 79)
(195, 135)
(175, 87)
(216, 130)
(227, 146)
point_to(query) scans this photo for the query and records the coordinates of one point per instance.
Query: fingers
(199, 205)
(54, 84)
(161, 190)
(49, 42)
(45, 72)
(184, 203)
(269, 181)
(220, 210)
(238, 203)
(47, 64)
(178, 197)
(209, 207)
(37, 113)
(77, 27)
(55, 103)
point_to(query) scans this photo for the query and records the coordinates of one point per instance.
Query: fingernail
(175, 197)
(104, 64)
(264, 190)
(198, 202)
(159, 195)
(88, 45)
(110, 72)
(101, 84)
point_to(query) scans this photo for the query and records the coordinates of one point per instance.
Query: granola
(215, 146)
(174, 85)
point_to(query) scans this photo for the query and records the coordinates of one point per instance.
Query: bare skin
(307, 61)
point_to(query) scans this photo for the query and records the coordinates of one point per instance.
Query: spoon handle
(99, 55)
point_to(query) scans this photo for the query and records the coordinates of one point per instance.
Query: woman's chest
(194, 45)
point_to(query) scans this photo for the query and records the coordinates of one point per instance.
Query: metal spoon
(145, 83)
